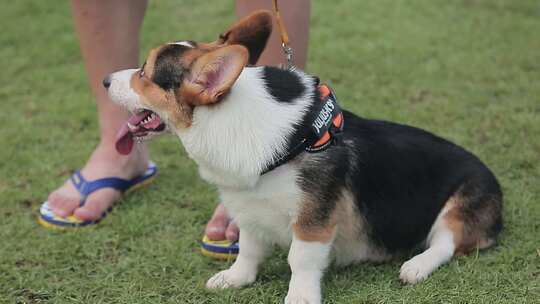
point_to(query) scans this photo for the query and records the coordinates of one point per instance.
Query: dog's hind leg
(440, 250)
(470, 220)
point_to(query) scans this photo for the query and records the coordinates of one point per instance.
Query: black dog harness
(324, 131)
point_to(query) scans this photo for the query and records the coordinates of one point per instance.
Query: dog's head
(177, 77)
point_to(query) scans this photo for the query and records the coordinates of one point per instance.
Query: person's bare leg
(296, 15)
(108, 32)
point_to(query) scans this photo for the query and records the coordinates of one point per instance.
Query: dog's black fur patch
(168, 71)
(404, 176)
(283, 85)
(303, 129)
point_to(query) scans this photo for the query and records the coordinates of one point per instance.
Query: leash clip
(288, 51)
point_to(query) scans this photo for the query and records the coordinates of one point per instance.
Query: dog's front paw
(414, 270)
(229, 279)
(302, 297)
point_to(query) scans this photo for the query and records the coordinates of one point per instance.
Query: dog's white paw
(415, 270)
(229, 279)
(302, 297)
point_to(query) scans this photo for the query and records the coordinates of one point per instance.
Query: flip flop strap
(86, 187)
(150, 171)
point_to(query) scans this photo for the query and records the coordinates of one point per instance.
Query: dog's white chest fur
(232, 142)
(269, 208)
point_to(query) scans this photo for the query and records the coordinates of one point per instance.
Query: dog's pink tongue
(124, 138)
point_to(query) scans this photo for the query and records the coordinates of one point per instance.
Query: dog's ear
(252, 32)
(212, 75)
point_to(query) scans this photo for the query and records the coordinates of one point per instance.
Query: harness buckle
(337, 135)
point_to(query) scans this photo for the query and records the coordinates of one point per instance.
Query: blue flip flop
(223, 250)
(48, 219)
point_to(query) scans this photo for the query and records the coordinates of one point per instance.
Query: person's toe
(217, 226)
(97, 204)
(215, 229)
(61, 204)
(232, 232)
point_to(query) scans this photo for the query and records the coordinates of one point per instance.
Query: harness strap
(326, 130)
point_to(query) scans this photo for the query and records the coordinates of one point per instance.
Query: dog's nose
(107, 81)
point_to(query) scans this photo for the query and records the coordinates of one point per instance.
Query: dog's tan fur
(468, 236)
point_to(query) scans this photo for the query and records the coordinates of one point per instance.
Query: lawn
(468, 70)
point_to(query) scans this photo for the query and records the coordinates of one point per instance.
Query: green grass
(468, 70)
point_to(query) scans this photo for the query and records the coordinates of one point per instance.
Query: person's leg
(108, 32)
(296, 15)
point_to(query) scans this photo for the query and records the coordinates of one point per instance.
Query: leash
(287, 50)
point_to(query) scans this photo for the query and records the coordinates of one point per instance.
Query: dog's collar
(324, 131)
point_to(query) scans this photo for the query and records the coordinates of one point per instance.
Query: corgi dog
(293, 169)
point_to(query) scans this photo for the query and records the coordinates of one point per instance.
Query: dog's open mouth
(143, 125)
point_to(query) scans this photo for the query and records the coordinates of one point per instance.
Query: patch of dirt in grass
(31, 296)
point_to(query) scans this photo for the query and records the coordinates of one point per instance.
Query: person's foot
(220, 226)
(104, 162)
